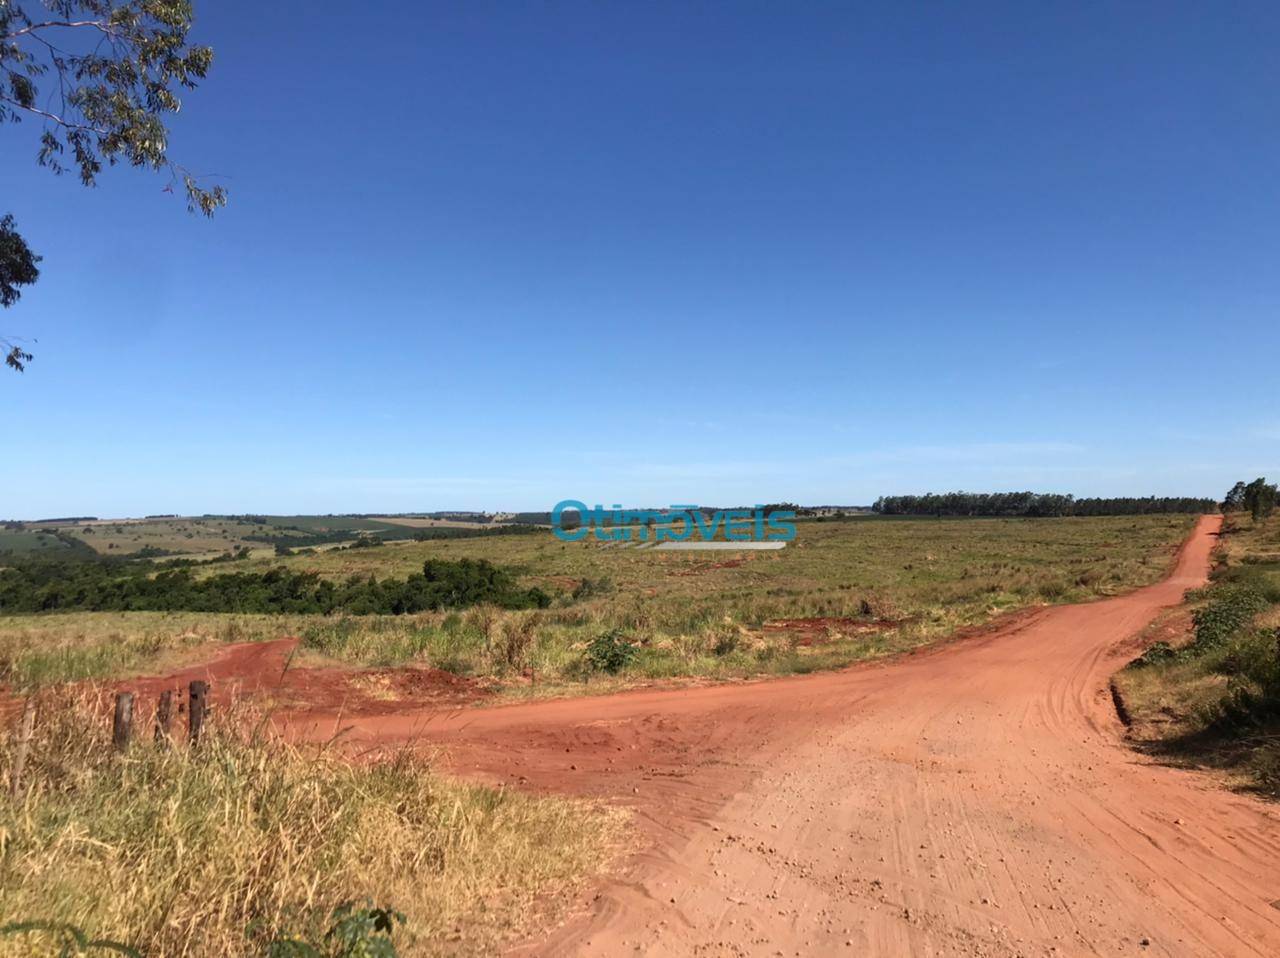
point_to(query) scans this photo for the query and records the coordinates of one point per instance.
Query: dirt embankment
(265, 674)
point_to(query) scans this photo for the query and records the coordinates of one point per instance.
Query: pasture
(201, 537)
(843, 591)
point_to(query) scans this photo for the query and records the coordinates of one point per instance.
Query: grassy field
(1207, 693)
(188, 537)
(24, 542)
(246, 842)
(206, 536)
(870, 587)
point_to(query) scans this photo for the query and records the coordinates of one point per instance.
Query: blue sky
(492, 255)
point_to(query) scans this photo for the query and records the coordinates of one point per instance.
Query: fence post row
(122, 723)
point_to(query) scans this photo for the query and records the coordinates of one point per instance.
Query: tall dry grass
(219, 851)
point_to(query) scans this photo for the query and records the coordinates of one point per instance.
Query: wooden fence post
(26, 727)
(196, 704)
(122, 725)
(164, 716)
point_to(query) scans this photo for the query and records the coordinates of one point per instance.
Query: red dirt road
(972, 800)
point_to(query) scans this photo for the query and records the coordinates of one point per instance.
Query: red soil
(263, 672)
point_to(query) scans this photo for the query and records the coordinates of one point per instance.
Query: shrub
(1253, 694)
(1230, 609)
(725, 643)
(589, 588)
(610, 652)
(1159, 652)
(355, 933)
(1266, 769)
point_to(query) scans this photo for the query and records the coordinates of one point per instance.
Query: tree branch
(32, 28)
(66, 124)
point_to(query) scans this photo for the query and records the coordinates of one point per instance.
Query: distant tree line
(1258, 498)
(1036, 504)
(303, 539)
(106, 586)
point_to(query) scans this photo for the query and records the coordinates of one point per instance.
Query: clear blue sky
(485, 255)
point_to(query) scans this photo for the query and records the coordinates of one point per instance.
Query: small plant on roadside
(1229, 611)
(354, 933)
(610, 652)
(1158, 653)
(725, 643)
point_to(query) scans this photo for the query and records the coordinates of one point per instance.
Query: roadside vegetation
(143, 587)
(1207, 691)
(245, 846)
(844, 590)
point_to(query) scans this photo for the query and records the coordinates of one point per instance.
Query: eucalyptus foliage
(100, 79)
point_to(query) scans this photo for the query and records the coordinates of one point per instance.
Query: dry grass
(41, 649)
(690, 615)
(218, 852)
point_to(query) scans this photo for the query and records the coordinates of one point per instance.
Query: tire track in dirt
(973, 799)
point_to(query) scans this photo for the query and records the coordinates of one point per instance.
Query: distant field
(28, 541)
(844, 590)
(416, 522)
(202, 537)
(193, 536)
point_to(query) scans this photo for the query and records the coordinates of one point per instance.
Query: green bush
(355, 933)
(1158, 653)
(610, 652)
(1229, 610)
(1257, 573)
(1253, 693)
(111, 586)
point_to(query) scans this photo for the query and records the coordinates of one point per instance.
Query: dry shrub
(877, 605)
(220, 850)
(485, 619)
(515, 640)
